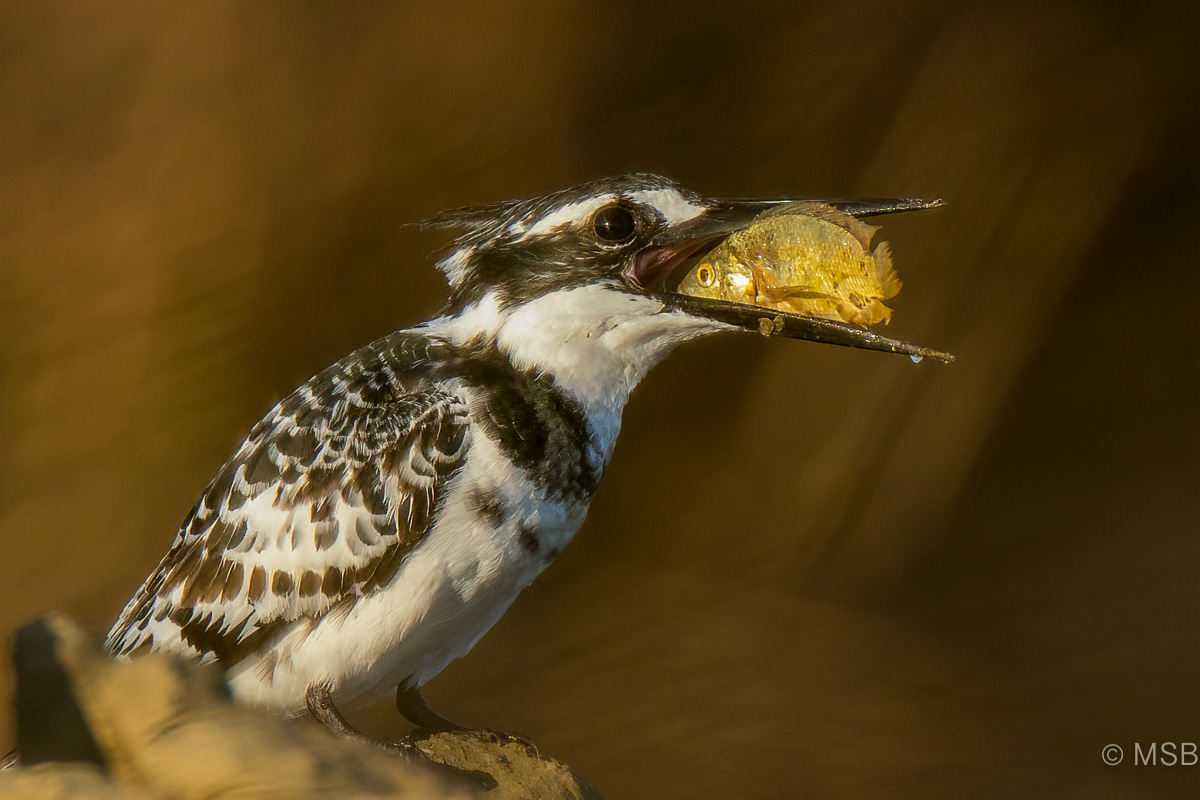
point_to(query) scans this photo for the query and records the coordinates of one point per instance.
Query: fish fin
(808, 207)
(852, 224)
(889, 281)
(875, 313)
(858, 229)
(816, 312)
(803, 292)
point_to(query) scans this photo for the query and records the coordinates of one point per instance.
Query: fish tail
(889, 281)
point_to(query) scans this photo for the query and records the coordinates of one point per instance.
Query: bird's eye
(706, 276)
(614, 224)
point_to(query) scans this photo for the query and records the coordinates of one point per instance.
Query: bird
(381, 518)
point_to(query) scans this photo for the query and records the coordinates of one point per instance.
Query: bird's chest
(534, 459)
(529, 427)
(520, 516)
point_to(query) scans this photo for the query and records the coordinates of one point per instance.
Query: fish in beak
(661, 267)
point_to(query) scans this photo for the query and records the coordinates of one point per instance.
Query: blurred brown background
(810, 571)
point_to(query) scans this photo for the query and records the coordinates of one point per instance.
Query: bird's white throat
(597, 341)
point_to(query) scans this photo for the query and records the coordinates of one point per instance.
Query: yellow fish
(807, 258)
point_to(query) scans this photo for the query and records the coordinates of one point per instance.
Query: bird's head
(587, 272)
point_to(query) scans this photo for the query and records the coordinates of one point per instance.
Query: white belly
(448, 592)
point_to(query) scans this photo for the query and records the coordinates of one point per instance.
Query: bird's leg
(412, 706)
(319, 700)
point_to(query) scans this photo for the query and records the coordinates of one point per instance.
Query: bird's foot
(409, 747)
(321, 707)
(412, 705)
(507, 737)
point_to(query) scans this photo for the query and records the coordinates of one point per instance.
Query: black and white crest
(512, 220)
(533, 246)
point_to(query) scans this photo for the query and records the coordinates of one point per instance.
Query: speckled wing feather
(318, 507)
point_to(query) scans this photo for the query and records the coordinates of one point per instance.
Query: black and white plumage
(379, 520)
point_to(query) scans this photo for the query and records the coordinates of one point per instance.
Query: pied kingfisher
(380, 519)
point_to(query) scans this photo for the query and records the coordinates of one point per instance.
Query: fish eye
(614, 224)
(706, 276)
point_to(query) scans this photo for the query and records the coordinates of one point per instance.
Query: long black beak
(664, 260)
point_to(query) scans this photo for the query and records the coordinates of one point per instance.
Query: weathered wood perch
(159, 727)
